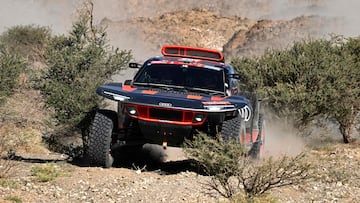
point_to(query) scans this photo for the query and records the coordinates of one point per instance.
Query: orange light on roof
(192, 52)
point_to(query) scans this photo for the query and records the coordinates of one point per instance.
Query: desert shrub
(272, 173)
(10, 68)
(232, 172)
(222, 160)
(8, 183)
(312, 78)
(46, 172)
(77, 64)
(27, 41)
(13, 198)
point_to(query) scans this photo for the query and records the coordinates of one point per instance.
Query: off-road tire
(100, 139)
(232, 128)
(262, 127)
(256, 149)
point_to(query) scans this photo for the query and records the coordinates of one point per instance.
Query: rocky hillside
(197, 27)
(236, 36)
(238, 27)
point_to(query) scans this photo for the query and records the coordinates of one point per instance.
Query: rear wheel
(257, 147)
(100, 139)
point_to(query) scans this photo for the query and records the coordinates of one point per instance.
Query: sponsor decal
(245, 113)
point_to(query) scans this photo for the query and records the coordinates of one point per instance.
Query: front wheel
(233, 129)
(100, 139)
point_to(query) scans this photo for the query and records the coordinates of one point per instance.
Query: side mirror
(128, 82)
(134, 65)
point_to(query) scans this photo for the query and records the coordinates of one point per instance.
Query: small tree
(77, 65)
(319, 77)
(346, 76)
(10, 68)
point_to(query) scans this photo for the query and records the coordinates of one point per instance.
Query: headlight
(132, 110)
(117, 97)
(198, 118)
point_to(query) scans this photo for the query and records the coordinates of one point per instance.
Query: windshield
(182, 76)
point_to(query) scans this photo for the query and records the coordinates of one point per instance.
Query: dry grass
(6, 166)
(22, 123)
(15, 199)
(45, 172)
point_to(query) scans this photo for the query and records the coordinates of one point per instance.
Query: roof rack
(192, 52)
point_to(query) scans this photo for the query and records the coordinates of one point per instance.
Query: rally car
(173, 97)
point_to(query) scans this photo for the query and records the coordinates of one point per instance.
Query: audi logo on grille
(163, 104)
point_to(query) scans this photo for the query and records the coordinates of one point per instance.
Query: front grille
(165, 114)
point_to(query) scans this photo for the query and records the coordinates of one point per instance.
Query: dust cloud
(282, 138)
(55, 14)
(345, 14)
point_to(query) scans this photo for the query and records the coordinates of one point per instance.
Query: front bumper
(165, 134)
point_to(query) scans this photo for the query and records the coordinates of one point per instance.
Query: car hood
(170, 98)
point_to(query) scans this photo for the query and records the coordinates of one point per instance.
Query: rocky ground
(338, 180)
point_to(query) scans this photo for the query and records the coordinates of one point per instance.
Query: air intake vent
(164, 114)
(192, 52)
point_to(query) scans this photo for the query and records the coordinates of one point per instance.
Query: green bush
(27, 41)
(312, 78)
(77, 65)
(10, 68)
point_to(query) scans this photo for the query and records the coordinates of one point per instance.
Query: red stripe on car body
(151, 92)
(128, 88)
(197, 97)
(216, 98)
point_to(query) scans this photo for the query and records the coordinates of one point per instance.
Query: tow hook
(164, 145)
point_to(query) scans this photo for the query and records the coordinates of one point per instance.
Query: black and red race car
(170, 99)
